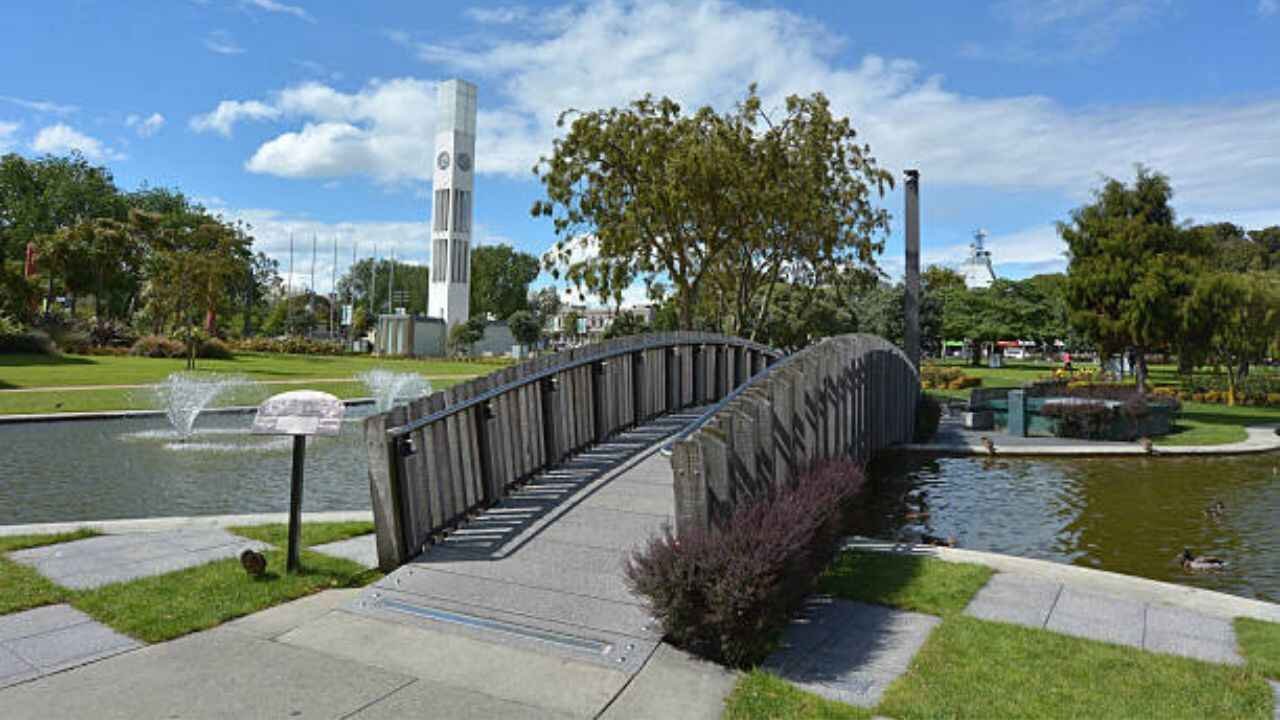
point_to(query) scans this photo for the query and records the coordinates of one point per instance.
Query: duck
(986, 443)
(916, 515)
(254, 563)
(1201, 562)
(1147, 445)
(949, 541)
(1215, 509)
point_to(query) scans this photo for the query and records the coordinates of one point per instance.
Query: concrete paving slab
(546, 572)
(70, 646)
(1015, 599)
(39, 620)
(215, 674)
(280, 619)
(97, 561)
(362, 550)
(1275, 689)
(1191, 647)
(423, 699)
(849, 651)
(1181, 632)
(483, 594)
(14, 669)
(604, 528)
(546, 681)
(1098, 617)
(674, 684)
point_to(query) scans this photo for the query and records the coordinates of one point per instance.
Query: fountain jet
(389, 388)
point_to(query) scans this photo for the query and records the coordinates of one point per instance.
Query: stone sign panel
(300, 412)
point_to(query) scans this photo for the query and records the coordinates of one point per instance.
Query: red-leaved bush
(725, 594)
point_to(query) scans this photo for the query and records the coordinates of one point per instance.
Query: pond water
(1131, 515)
(140, 467)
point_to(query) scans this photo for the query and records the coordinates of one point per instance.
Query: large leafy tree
(367, 284)
(1232, 318)
(720, 206)
(1130, 266)
(500, 277)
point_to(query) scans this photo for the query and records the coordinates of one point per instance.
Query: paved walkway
(107, 559)
(953, 439)
(47, 639)
(523, 613)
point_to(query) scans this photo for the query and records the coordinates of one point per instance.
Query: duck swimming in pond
(1201, 562)
(1215, 509)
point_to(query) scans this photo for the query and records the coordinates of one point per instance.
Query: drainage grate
(573, 642)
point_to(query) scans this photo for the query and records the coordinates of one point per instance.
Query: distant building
(976, 269)
(593, 321)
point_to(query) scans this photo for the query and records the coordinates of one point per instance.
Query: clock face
(464, 162)
(442, 160)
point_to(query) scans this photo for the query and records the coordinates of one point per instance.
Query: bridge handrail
(442, 457)
(662, 341)
(848, 396)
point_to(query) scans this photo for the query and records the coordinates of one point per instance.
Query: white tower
(451, 204)
(976, 269)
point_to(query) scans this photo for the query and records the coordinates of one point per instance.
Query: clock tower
(452, 181)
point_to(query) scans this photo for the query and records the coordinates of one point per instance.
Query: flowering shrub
(940, 377)
(725, 594)
(158, 346)
(289, 345)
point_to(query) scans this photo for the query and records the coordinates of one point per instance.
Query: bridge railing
(843, 397)
(442, 457)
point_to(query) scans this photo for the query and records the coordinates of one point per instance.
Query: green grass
(1260, 642)
(21, 587)
(972, 668)
(166, 606)
(311, 372)
(312, 533)
(19, 371)
(910, 582)
(760, 695)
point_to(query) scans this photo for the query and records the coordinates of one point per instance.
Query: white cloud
(1267, 8)
(43, 106)
(708, 52)
(229, 112)
(145, 126)
(504, 15)
(221, 42)
(60, 138)
(279, 7)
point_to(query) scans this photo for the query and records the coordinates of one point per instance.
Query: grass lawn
(312, 372)
(165, 606)
(1260, 643)
(910, 582)
(21, 587)
(1199, 423)
(972, 668)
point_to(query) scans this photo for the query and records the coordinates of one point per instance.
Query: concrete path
(953, 439)
(849, 651)
(523, 613)
(1038, 603)
(47, 639)
(362, 550)
(107, 559)
(181, 522)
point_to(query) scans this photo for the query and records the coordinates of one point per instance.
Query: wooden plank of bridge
(715, 454)
(781, 392)
(382, 489)
(688, 472)
(453, 453)
(416, 505)
(436, 447)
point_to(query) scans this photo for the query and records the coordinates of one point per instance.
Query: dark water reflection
(137, 467)
(1131, 515)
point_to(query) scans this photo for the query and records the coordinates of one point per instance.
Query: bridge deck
(542, 570)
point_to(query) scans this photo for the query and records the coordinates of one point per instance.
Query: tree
(626, 323)
(545, 304)
(1130, 267)
(1234, 319)
(500, 277)
(525, 327)
(367, 282)
(571, 321)
(721, 206)
(465, 334)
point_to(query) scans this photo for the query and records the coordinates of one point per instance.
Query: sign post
(298, 413)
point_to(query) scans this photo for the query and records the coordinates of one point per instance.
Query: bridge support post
(911, 303)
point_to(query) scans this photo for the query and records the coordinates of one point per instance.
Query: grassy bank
(1199, 423)
(972, 668)
(163, 607)
(80, 374)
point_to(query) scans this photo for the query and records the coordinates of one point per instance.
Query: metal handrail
(402, 430)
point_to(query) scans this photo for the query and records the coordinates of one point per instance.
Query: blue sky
(316, 117)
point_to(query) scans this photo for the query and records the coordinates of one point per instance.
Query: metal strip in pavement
(564, 640)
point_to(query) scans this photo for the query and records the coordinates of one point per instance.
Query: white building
(976, 269)
(451, 207)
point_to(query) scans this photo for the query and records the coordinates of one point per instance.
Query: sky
(316, 118)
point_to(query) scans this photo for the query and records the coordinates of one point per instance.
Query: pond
(1131, 515)
(139, 467)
